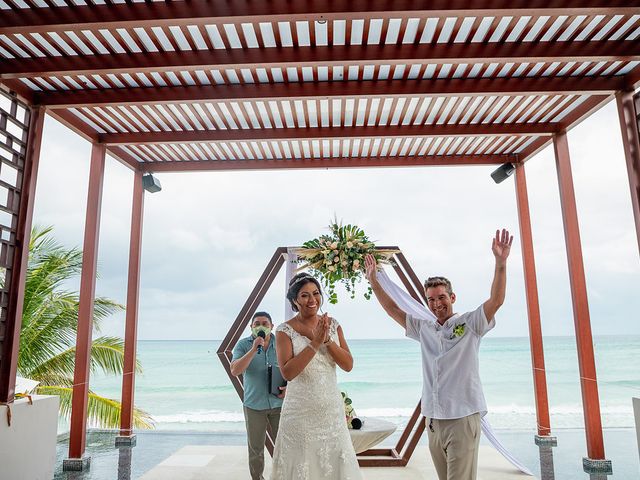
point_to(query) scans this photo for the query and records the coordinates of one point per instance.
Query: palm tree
(49, 327)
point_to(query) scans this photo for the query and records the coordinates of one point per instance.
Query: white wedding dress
(313, 441)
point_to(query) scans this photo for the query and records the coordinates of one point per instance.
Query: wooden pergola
(282, 84)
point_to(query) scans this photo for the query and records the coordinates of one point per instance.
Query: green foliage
(49, 328)
(339, 258)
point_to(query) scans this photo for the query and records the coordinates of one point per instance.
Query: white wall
(28, 446)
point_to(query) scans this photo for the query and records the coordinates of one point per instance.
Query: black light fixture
(150, 183)
(503, 172)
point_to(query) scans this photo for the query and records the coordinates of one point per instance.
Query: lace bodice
(321, 369)
(313, 441)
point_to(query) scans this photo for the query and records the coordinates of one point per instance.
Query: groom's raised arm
(388, 304)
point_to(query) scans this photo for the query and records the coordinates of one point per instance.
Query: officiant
(252, 357)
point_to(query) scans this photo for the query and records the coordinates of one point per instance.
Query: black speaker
(503, 172)
(150, 183)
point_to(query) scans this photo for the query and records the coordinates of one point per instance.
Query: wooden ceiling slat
(170, 13)
(343, 132)
(338, 55)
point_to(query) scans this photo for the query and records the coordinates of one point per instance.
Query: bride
(313, 441)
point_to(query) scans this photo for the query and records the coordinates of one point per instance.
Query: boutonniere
(458, 331)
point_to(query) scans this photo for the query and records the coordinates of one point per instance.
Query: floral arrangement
(339, 257)
(350, 414)
(458, 331)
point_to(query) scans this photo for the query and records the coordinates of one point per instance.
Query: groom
(452, 398)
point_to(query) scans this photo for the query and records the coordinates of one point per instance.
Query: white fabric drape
(408, 304)
(291, 262)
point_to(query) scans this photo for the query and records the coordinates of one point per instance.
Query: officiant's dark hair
(296, 283)
(261, 314)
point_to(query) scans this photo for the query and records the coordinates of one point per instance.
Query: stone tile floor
(153, 448)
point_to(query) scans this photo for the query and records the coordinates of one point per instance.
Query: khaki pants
(454, 447)
(256, 422)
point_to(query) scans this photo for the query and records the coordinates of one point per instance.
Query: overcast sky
(208, 236)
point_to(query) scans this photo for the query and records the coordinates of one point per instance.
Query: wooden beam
(361, 89)
(584, 111)
(124, 158)
(76, 125)
(129, 15)
(18, 88)
(267, 134)
(436, 53)
(326, 163)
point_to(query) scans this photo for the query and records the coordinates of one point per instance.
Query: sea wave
(212, 416)
(567, 409)
(510, 411)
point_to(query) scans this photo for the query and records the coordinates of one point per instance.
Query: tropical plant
(339, 258)
(49, 328)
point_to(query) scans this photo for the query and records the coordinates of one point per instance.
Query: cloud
(209, 235)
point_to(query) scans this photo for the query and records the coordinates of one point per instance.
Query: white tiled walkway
(230, 463)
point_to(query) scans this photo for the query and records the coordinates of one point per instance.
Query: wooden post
(16, 249)
(131, 327)
(533, 306)
(582, 322)
(79, 406)
(628, 114)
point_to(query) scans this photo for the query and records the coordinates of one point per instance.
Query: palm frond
(107, 354)
(49, 328)
(101, 411)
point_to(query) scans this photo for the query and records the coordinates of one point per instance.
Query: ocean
(184, 387)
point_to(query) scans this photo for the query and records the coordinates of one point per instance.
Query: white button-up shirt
(450, 372)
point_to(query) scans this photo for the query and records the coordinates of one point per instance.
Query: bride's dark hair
(296, 283)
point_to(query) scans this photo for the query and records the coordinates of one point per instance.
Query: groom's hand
(501, 246)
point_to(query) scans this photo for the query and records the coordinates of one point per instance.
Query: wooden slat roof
(184, 85)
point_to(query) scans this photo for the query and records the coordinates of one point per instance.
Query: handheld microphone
(261, 335)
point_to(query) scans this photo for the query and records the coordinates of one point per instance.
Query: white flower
(331, 268)
(335, 252)
(336, 259)
(344, 263)
(334, 245)
(356, 263)
(349, 244)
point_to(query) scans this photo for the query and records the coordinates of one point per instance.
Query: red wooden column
(628, 115)
(77, 439)
(582, 322)
(533, 311)
(131, 327)
(24, 197)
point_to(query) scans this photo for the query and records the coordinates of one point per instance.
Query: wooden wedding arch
(397, 456)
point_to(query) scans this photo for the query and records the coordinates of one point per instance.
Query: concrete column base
(597, 466)
(76, 464)
(126, 440)
(546, 441)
